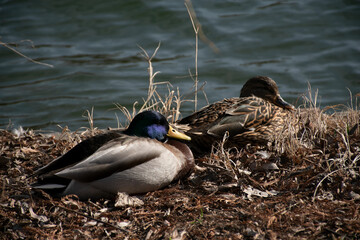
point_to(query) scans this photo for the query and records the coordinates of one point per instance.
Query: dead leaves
(247, 194)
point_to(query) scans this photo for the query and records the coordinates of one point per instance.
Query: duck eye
(173, 130)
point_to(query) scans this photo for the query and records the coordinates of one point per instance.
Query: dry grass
(250, 193)
(168, 105)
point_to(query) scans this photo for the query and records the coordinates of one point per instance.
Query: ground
(311, 191)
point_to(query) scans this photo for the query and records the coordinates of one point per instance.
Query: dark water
(93, 46)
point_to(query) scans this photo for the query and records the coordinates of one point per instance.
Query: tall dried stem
(196, 28)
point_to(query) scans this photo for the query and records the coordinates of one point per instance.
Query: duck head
(153, 125)
(265, 88)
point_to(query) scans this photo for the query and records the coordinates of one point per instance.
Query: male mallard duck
(259, 113)
(137, 160)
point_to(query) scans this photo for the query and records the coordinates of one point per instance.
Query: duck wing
(208, 114)
(115, 156)
(78, 153)
(245, 115)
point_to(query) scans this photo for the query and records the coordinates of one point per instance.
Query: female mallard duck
(137, 160)
(259, 113)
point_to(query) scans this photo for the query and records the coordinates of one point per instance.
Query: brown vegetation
(304, 186)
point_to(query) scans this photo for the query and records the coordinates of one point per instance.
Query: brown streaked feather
(250, 120)
(254, 117)
(247, 114)
(210, 113)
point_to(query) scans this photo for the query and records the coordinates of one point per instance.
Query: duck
(254, 117)
(143, 158)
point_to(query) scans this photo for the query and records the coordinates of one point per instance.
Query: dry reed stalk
(24, 56)
(312, 129)
(198, 34)
(221, 158)
(196, 23)
(330, 135)
(90, 118)
(169, 105)
(196, 28)
(152, 87)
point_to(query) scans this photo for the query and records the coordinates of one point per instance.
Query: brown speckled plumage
(254, 117)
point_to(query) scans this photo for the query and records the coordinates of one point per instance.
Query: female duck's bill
(137, 160)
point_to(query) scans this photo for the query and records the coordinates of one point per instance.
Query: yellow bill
(173, 133)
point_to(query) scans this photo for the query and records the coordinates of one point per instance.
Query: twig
(327, 175)
(92, 218)
(24, 56)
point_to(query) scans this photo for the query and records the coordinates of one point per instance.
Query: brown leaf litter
(310, 191)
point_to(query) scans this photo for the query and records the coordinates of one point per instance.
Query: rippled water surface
(93, 46)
